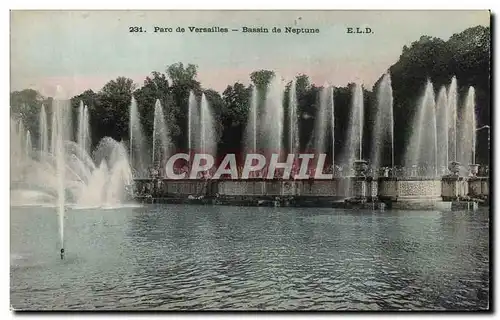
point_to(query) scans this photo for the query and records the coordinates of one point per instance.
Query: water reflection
(215, 257)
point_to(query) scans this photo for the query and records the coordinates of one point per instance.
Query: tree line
(465, 55)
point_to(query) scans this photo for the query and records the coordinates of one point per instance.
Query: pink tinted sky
(83, 50)
(218, 79)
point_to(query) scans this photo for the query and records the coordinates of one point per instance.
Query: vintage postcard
(250, 160)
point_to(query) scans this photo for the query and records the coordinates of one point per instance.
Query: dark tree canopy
(465, 55)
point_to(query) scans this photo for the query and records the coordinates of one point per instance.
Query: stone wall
(385, 188)
(339, 188)
(409, 189)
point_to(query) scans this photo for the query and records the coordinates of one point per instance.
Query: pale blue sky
(85, 49)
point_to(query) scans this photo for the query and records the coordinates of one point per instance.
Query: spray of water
(382, 152)
(422, 148)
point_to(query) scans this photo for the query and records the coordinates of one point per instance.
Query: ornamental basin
(360, 168)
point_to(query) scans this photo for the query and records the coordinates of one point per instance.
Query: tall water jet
(353, 149)
(61, 120)
(53, 133)
(332, 124)
(160, 135)
(193, 121)
(421, 151)
(272, 121)
(83, 134)
(251, 127)
(137, 143)
(324, 121)
(442, 131)
(467, 150)
(44, 132)
(293, 125)
(107, 183)
(21, 136)
(27, 145)
(68, 174)
(452, 98)
(382, 152)
(207, 126)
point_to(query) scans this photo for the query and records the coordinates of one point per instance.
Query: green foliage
(261, 78)
(466, 55)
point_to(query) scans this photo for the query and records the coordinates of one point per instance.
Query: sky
(81, 50)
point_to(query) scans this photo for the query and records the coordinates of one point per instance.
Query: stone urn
(473, 170)
(454, 168)
(385, 172)
(360, 168)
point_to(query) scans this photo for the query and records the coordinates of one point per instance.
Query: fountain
(383, 133)
(61, 120)
(193, 121)
(468, 132)
(272, 118)
(324, 122)
(207, 137)
(293, 126)
(251, 127)
(44, 132)
(161, 142)
(67, 174)
(27, 145)
(452, 120)
(421, 151)
(137, 143)
(353, 150)
(442, 131)
(83, 134)
(332, 126)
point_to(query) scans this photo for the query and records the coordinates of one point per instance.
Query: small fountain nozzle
(62, 253)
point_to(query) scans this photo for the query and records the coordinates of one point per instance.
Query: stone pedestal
(359, 190)
(479, 187)
(454, 187)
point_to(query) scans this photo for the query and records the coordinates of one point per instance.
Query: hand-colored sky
(84, 49)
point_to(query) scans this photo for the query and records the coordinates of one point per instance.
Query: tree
(262, 78)
(183, 82)
(113, 112)
(155, 88)
(26, 106)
